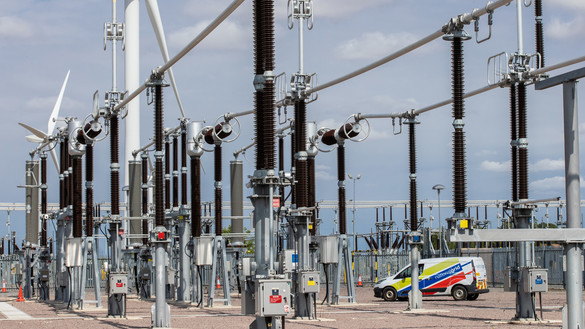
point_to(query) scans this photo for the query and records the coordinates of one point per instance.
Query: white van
(461, 277)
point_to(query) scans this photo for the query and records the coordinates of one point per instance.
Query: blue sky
(41, 40)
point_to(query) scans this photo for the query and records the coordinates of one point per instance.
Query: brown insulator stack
(281, 167)
(522, 147)
(67, 181)
(167, 174)
(301, 146)
(293, 164)
(145, 197)
(311, 201)
(218, 190)
(89, 190)
(115, 163)
(77, 197)
(175, 172)
(514, 141)
(195, 196)
(341, 188)
(158, 166)
(539, 31)
(264, 97)
(459, 168)
(184, 168)
(412, 166)
(43, 200)
(62, 168)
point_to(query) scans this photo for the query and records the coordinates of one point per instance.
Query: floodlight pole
(438, 188)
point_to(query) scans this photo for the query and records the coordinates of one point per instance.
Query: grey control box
(273, 297)
(309, 282)
(118, 283)
(145, 273)
(329, 249)
(204, 255)
(535, 279)
(44, 275)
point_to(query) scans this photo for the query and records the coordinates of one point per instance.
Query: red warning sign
(275, 202)
(276, 299)
(119, 284)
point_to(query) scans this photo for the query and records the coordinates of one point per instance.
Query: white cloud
(329, 123)
(47, 104)
(228, 36)
(547, 184)
(564, 29)
(374, 45)
(342, 8)
(495, 166)
(569, 4)
(556, 183)
(14, 27)
(548, 165)
(484, 153)
(323, 172)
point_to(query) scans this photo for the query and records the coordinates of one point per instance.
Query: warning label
(276, 299)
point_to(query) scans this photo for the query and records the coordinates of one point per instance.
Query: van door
(403, 285)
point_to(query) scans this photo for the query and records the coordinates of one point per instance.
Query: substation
(165, 245)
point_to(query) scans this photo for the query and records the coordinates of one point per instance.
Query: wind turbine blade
(35, 132)
(55, 113)
(155, 20)
(55, 160)
(33, 139)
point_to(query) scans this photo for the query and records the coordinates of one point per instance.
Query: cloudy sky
(42, 39)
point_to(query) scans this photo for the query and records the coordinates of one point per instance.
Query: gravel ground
(492, 310)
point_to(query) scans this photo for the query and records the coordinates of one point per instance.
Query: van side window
(404, 274)
(420, 269)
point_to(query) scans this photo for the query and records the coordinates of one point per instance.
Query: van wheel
(389, 294)
(459, 293)
(472, 296)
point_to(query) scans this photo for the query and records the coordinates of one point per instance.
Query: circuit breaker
(535, 279)
(273, 297)
(118, 284)
(309, 282)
